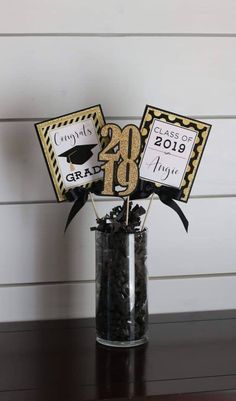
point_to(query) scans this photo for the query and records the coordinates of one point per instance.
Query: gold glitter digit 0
(128, 172)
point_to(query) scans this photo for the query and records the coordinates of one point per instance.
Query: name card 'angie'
(167, 153)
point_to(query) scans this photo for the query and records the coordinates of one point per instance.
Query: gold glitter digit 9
(127, 172)
(113, 131)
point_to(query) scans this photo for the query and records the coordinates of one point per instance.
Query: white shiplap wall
(64, 55)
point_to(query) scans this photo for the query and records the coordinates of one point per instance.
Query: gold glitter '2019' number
(120, 157)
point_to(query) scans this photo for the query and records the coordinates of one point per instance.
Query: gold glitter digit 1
(113, 131)
(127, 172)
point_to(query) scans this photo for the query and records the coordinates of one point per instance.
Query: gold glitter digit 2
(113, 131)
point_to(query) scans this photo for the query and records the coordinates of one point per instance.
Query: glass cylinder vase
(121, 288)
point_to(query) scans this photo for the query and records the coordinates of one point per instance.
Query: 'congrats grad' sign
(71, 144)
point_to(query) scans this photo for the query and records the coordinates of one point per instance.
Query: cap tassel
(72, 166)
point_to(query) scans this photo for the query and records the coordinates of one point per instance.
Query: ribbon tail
(78, 204)
(173, 205)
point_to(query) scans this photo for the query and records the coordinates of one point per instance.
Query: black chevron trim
(46, 131)
(96, 123)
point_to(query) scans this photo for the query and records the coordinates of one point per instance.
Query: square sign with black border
(172, 149)
(71, 144)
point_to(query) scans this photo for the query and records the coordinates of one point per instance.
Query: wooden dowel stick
(145, 217)
(127, 211)
(94, 208)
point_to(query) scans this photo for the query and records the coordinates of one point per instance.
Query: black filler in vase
(121, 279)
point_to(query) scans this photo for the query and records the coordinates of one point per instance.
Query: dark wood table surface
(190, 356)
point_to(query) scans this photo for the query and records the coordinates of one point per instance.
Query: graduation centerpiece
(86, 156)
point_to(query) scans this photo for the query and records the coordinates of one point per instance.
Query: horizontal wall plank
(49, 76)
(47, 302)
(78, 300)
(192, 295)
(84, 16)
(23, 171)
(24, 176)
(34, 248)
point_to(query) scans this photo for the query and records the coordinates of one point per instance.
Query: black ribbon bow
(144, 189)
(166, 196)
(79, 196)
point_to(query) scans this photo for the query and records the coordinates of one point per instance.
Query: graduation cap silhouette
(78, 154)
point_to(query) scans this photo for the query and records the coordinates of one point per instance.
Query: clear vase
(121, 289)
